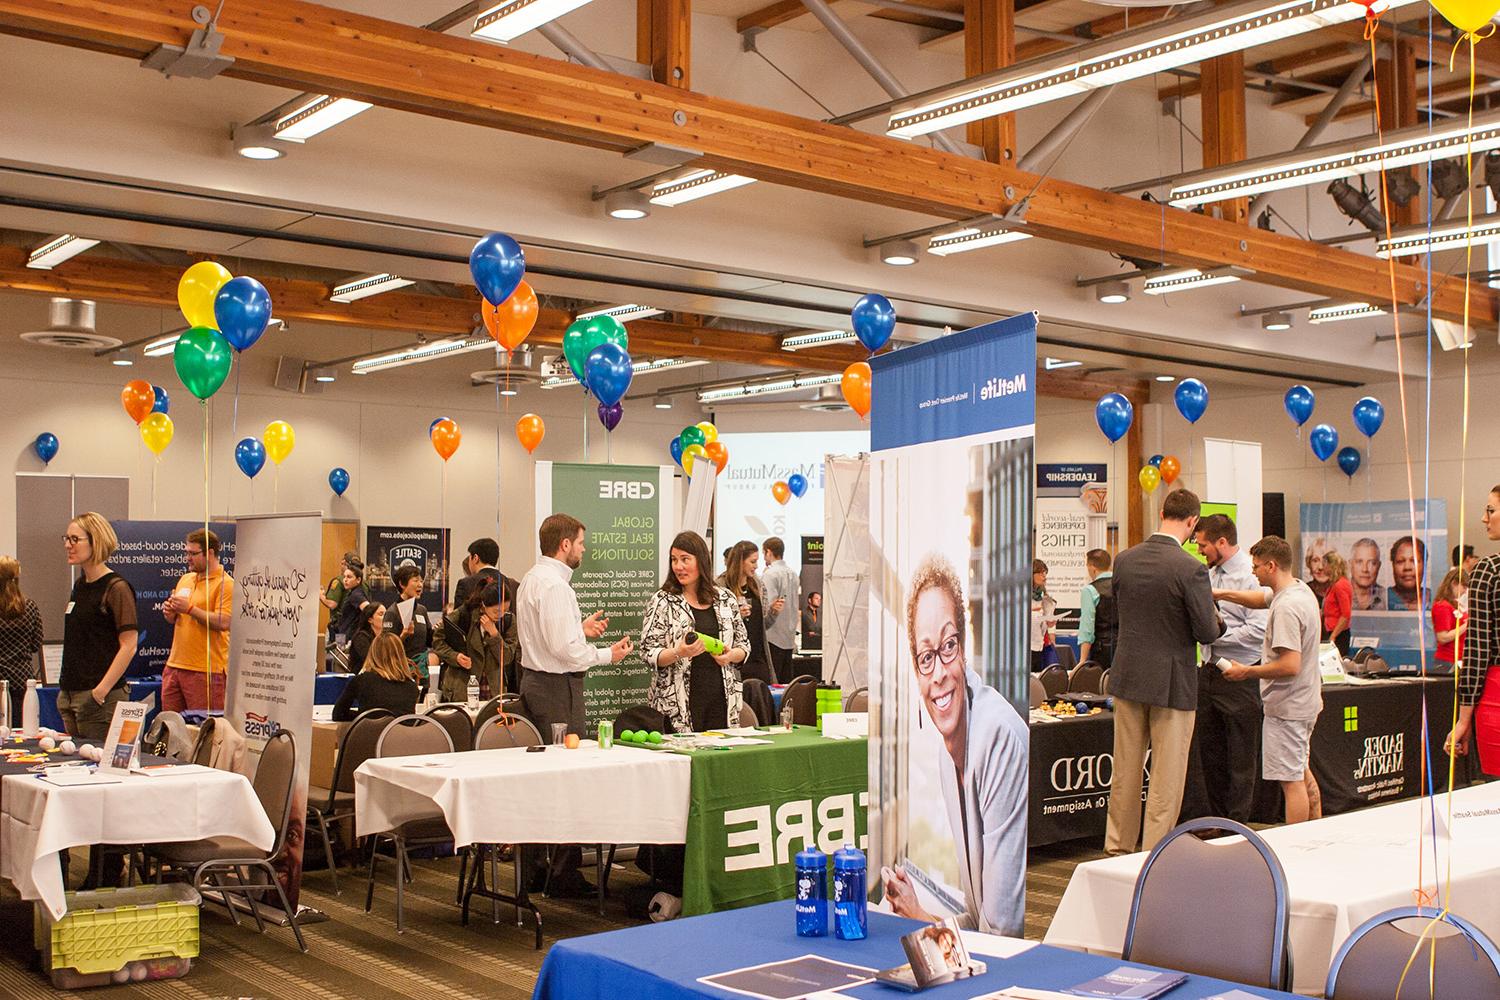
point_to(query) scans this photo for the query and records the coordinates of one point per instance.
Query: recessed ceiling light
(627, 205)
(1276, 321)
(1113, 292)
(324, 375)
(663, 402)
(900, 253)
(121, 362)
(510, 392)
(1166, 378)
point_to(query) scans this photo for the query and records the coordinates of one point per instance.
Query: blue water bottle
(849, 894)
(812, 893)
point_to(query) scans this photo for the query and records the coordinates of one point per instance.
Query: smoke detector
(830, 399)
(70, 324)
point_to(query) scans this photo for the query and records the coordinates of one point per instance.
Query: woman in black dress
(740, 580)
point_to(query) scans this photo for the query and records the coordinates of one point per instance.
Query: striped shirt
(1482, 640)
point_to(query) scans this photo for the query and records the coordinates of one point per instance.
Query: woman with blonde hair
(739, 579)
(1338, 603)
(20, 635)
(99, 631)
(385, 682)
(1449, 622)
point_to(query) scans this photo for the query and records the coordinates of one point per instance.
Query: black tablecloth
(1366, 749)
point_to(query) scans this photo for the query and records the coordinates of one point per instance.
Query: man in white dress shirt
(555, 637)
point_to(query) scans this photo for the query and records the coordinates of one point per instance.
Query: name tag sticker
(69, 609)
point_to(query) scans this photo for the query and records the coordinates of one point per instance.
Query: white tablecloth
(561, 796)
(1340, 871)
(37, 820)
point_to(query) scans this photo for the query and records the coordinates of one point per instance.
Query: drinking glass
(786, 716)
(559, 733)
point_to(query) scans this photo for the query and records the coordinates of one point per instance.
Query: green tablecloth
(751, 809)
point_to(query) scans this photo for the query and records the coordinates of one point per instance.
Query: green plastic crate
(106, 930)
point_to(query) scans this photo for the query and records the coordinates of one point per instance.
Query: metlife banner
(630, 515)
(951, 491)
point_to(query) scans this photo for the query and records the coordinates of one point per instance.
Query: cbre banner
(630, 514)
(950, 601)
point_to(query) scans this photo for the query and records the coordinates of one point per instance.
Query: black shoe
(538, 880)
(572, 886)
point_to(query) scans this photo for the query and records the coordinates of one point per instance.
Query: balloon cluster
(597, 352)
(1157, 470)
(794, 485)
(226, 315)
(874, 319)
(1368, 414)
(275, 443)
(147, 405)
(698, 441)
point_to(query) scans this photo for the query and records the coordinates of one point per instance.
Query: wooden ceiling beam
(300, 45)
(771, 15)
(990, 44)
(664, 40)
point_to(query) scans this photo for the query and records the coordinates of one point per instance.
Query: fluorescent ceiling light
(1411, 240)
(636, 368)
(767, 388)
(318, 115)
(510, 392)
(122, 362)
(1053, 364)
(663, 402)
(1129, 55)
(511, 20)
(621, 313)
(1343, 311)
(57, 250)
(1178, 281)
(422, 352)
(698, 184)
(1166, 378)
(371, 284)
(964, 240)
(324, 374)
(1330, 161)
(161, 346)
(801, 340)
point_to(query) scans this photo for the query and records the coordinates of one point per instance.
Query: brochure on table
(122, 746)
(791, 979)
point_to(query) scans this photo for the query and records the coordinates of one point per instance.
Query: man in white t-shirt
(1291, 683)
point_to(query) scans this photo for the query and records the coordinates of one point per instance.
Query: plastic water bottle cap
(811, 857)
(848, 857)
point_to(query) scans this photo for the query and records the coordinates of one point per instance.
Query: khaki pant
(1168, 733)
(85, 718)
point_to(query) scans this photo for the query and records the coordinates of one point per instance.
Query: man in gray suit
(1165, 607)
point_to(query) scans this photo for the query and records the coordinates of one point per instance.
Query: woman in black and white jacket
(693, 688)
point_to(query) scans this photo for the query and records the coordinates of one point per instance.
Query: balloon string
(497, 448)
(208, 629)
(154, 463)
(276, 488)
(234, 433)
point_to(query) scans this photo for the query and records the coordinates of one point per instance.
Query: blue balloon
(163, 404)
(339, 480)
(497, 264)
(607, 372)
(1155, 460)
(1324, 441)
(1368, 416)
(250, 456)
(874, 318)
(46, 446)
(1192, 399)
(1349, 460)
(242, 309)
(1114, 413)
(434, 424)
(1299, 402)
(797, 483)
(675, 447)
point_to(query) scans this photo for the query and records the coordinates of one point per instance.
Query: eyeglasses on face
(74, 539)
(947, 651)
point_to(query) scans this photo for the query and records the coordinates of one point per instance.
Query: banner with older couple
(951, 500)
(1394, 567)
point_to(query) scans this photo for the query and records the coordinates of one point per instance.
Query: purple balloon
(610, 414)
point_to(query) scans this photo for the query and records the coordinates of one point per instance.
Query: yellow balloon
(156, 432)
(710, 432)
(1150, 478)
(689, 454)
(196, 290)
(278, 439)
(1467, 15)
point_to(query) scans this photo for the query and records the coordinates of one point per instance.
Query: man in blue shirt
(1223, 767)
(1096, 611)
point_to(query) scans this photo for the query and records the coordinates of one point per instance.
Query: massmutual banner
(951, 466)
(631, 517)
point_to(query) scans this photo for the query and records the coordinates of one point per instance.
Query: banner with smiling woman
(951, 465)
(273, 650)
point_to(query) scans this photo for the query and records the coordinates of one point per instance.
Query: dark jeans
(781, 663)
(1224, 762)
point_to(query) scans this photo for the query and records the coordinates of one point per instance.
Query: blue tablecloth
(328, 687)
(664, 961)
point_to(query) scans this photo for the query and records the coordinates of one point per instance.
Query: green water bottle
(711, 644)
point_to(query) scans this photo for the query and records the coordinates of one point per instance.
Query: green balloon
(202, 358)
(583, 335)
(691, 435)
(573, 348)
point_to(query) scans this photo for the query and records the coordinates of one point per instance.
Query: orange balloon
(529, 431)
(856, 386)
(1170, 467)
(717, 454)
(511, 321)
(445, 438)
(780, 490)
(138, 398)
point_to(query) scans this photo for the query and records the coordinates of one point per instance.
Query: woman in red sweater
(1338, 606)
(1448, 621)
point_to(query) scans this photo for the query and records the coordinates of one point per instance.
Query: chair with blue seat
(1455, 962)
(1177, 914)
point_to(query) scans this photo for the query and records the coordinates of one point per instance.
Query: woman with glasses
(982, 768)
(693, 688)
(20, 635)
(99, 631)
(1478, 676)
